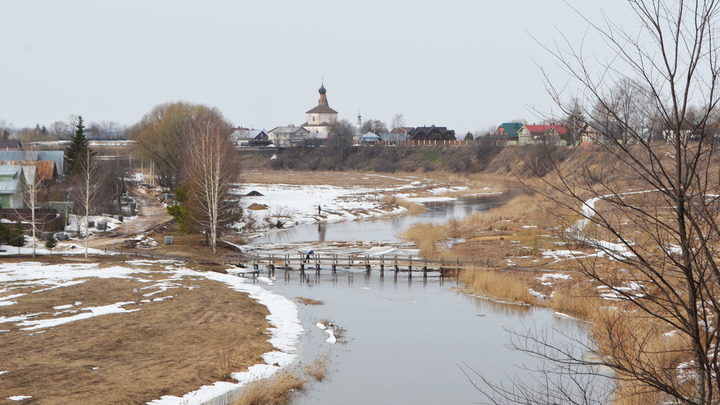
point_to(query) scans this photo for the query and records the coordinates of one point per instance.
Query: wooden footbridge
(316, 262)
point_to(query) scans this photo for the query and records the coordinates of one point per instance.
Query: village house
(58, 157)
(13, 181)
(244, 137)
(369, 138)
(10, 144)
(45, 170)
(393, 138)
(431, 133)
(589, 136)
(550, 134)
(288, 136)
(507, 133)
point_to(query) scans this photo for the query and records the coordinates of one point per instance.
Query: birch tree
(33, 185)
(651, 207)
(86, 183)
(211, 168)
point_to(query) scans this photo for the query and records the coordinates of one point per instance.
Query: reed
(425, 236)
(578, 305)
(497, 285)
(276, 390)
(412, 208)
(226, 362)
(318, 368)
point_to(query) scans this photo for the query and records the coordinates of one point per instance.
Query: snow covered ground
(298, 204)
(285, 330)
(292, 204)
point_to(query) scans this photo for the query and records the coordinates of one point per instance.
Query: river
(404, 340)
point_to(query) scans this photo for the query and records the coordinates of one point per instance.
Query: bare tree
(377, 127)
(211, 168)
(651, 208)
(398, 121)
(575, 122)
(33, 185)
(340, 141)
(162, 136)
(86, 183)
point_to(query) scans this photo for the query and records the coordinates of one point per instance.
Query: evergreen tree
(16, 236)
(77, 150)
(50, 242)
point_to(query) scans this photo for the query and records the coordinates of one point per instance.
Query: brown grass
(497, 285)
(411, 207)
(276, 390)
(280, 388)
(425, 236)
(169, 347)
(318, 368)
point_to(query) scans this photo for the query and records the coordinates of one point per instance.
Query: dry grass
(425, 236)
(497, 285)
(574, 300)
(280, 388)
(318, 368)
(411, 207)
(227, 362)
(168, 347)
(276, 390)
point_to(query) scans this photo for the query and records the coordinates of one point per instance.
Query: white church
(321, 117)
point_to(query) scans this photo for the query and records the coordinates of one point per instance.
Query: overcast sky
(464, 64)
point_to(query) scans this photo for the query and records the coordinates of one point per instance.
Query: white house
(288, 136)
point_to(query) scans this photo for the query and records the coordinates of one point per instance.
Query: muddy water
(406, 340)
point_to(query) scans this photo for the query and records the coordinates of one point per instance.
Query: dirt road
(152, 214)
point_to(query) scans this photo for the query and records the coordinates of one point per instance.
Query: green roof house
(508, 132)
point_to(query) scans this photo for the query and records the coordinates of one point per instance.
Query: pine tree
(50, 242)
(77, 150)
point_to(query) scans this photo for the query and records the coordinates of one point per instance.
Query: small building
(369, 138)
(10, 144)
(393, 138)
(244, 137)
(431, 133)
(401, 130)
(288, 136)
(590, 135)
(530, 134)
(57, 156)
(507, 133)
(44, 169)
(13, 184)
